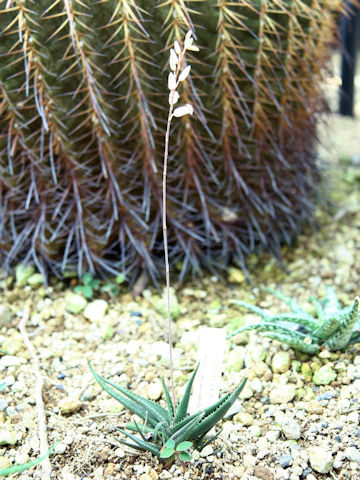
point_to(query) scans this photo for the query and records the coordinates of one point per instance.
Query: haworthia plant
(334, 328)
(158, 424)
(83, 104)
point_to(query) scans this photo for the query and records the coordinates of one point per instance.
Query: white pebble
(60, 448)
(249, 461)
(353, 454)
(272, 435)
(321, 460)
(206, 451)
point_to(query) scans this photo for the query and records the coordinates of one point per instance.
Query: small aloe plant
(168, 429)
(169, 432)
(334, 328)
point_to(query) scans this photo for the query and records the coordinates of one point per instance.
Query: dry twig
(39, 383)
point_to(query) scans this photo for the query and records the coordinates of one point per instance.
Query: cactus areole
(83, 107)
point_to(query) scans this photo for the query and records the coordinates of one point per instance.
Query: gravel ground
(294, 421)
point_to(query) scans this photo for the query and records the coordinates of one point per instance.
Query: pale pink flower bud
(177, 47)
(188, 42)
(183, 75)
(193, 48)
(174, 96)
(183, 110)
(172, 84)
(174, 60)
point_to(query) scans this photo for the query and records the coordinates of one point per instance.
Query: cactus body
(83, 103)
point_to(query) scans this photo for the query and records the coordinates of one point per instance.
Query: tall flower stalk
(178, 74)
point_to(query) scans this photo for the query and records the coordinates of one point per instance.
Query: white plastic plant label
(206, 386)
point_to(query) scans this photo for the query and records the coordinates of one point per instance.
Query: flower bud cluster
(179, 74)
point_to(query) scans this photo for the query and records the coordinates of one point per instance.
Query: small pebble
(314, 406)
(338, 461)
(272, 435)
(238, 471)
(320, 459)
(353, 417)
(291, 430)
(324, 375)
(255, 431)
(7, 437)
(69, 405)
(263, 473)
(9, 361)
(154, 391)
(281, 362)
(249, 461)
(286, 460)
(352, 454)
(325, 396)
(75, 303)
(95, 311)
(60, 448)
(282, 393)
(145, 476)
(244, 418)
(206, 451)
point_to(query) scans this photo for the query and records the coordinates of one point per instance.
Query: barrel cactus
(83, 105)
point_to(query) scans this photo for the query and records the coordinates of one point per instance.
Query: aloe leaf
(144, 428)
(182, 408)
(213, 418)
(347, 323)
(140, 411)
(25, 466)
(144, 444)
(203, 443)
(139, 431)
(211, 408)
(177, 426)
(156, 410)
(142, 407)
(289, 301)
(306, 321)
(319, 307)
(355, 337)
(263, 327)
(327, 328)
(168, 401)
(131, 445)
(294, 340)
(253, 308)
(187, 431)
(164, 431)
(331, 302)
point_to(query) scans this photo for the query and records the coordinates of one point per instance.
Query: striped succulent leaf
(334, 328)
(83, 102)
